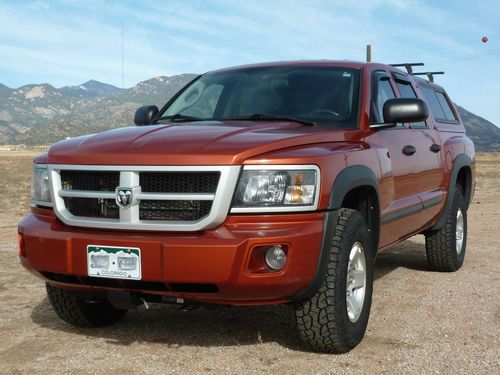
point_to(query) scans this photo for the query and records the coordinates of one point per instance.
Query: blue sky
(70, 42)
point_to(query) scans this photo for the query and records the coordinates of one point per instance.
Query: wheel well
(464, 181)
(365, 200)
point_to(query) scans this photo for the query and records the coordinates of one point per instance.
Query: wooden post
(368, 53)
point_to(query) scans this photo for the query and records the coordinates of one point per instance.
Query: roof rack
(408, 66)
(429, 75)
(409, 69)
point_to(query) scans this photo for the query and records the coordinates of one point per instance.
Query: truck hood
(193, 143)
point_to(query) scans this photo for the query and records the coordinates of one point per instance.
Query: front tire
(79, 312)
(446, 247)
(334, 319)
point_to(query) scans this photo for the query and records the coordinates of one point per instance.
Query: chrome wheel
(356, 282)
(459, 231)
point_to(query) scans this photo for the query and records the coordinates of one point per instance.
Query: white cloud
(70, 42)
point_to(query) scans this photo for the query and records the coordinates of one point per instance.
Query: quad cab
(262, 184)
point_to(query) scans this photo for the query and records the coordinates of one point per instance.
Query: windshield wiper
(179, 118)
(264, 117)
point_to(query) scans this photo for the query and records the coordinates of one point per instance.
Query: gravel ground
(421, 322)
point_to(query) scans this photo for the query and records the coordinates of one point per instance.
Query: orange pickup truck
(261, 184)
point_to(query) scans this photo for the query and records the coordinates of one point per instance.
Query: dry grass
(421, 322)
(488, 171)
(15, 189)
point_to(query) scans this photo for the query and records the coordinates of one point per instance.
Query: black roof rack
(429, 75)
(409, 69)
(408, 66)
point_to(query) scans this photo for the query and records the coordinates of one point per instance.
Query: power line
(456, 45)
(432, 53)
(469, 56)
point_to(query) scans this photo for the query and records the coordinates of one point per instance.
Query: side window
(439, 106)
(206, 102)
(448, 113)
(406, 91)
(384, 92)
(204, 96)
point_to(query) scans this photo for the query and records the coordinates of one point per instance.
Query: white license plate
(114, 262)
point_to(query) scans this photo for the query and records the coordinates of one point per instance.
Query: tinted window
(406, 91)
(445, 106)
(384, 93)
(206, 103)
(438, 104)
(327, 95)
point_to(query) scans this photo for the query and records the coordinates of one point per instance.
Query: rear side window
(438, 105)
(448, 113)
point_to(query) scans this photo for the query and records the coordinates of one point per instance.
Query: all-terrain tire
(441, 245)
(81, 313)
(322, 321)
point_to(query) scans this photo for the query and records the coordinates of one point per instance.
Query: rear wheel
(81, 312)
(446, 247)
(334, 319)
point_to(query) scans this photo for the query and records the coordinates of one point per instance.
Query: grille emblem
(124, 197)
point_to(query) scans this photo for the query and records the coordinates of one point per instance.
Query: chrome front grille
(162, 198)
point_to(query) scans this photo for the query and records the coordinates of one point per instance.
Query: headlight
(277, 188)
(40, 190)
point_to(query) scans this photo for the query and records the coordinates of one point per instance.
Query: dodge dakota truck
(274, 183)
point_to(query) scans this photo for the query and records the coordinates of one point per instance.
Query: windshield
(313, 94)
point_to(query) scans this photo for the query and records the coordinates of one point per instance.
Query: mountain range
(42, 114)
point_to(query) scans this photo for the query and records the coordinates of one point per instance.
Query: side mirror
(402, 110)
(145, 115)
(405, 110)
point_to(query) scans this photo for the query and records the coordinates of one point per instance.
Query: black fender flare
(348, 179)
(461, 161)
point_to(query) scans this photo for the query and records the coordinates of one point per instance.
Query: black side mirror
(405, 110)
(402, 110)
(145, 115)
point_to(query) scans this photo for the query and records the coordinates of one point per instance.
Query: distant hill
(484, 134)
(90, 90)
(41, 114)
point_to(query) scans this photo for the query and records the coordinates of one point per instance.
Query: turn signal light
(22, 245)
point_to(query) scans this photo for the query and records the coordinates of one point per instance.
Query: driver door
(400, 204)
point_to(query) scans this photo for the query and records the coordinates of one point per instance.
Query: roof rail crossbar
(408, 66)
(429, 75)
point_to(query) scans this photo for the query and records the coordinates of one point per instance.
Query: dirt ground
(421, 322)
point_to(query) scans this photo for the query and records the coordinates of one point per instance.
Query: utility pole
(368, 53)
(123, 59)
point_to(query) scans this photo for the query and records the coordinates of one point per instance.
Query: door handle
(409, 150)
(435, 147)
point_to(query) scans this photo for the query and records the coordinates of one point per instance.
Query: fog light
(275, 257)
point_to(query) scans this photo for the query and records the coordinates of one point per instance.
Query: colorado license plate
(114, 262)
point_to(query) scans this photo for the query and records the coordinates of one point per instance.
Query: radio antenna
(123, 58)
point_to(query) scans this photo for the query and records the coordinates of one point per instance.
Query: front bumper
(210, 266)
